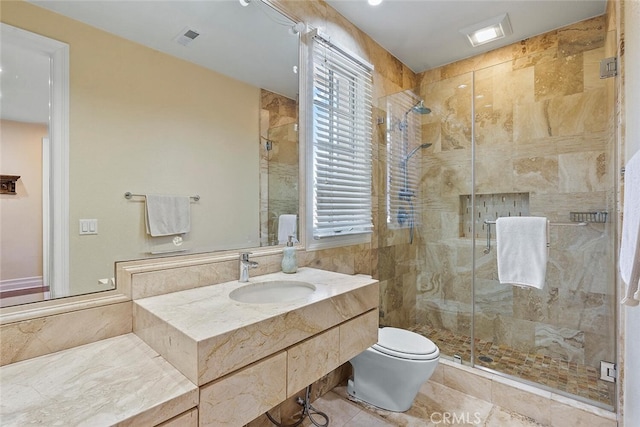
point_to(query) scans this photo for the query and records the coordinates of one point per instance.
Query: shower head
(419, 108)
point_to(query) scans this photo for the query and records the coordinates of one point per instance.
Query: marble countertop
(119, 380)
(206, 335)
(124, 381)
(204, 312)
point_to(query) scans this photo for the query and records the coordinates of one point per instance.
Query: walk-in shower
(507, 140)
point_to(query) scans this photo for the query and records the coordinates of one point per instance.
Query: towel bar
(487, 249)
(568, 224)
(128, 195)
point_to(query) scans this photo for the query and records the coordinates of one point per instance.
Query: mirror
(216, 118)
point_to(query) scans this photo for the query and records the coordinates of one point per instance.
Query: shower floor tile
(570, 377)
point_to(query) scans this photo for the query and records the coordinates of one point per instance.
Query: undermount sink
(272, 292)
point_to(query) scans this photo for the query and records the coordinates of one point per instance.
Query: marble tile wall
(543, 127)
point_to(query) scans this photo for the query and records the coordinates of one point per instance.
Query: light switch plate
(88, 226)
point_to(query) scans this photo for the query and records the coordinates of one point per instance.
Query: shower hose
(307, 410)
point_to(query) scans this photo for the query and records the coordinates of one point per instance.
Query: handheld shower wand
(406, 194)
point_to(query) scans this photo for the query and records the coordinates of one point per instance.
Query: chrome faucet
(245, 265)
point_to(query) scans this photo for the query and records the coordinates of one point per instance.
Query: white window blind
(342, 94)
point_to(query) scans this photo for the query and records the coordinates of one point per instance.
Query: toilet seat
(405, 344)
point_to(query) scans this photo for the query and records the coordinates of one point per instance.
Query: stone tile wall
(543, 126)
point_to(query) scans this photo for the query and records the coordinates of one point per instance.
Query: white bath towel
(287, 226)
(167, 215)
(522, 247)
(630, 244)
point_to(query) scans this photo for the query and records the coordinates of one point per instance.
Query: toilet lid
(405, 344)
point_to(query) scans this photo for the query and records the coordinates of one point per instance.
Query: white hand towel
(522, 250)
(167, 215)
(630, 244)
(287, 227)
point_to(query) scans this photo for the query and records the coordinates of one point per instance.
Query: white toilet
(389, 374)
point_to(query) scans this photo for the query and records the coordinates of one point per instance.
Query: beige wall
(145, 122)
(21, 214)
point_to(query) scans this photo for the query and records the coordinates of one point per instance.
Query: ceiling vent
(186, 36)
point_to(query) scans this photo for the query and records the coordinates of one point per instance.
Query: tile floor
(577, 379)
(435, 405)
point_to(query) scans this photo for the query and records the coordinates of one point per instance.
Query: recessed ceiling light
(374, 2)
(488, 30)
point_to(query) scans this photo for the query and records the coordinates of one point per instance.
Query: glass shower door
(543, 147)
(443, 290)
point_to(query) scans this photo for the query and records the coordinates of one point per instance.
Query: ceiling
(424, 34)
(254, 43)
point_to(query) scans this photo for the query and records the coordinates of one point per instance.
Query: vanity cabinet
(197, 357)
(242, 396)
(311, 359)
(246, 394)
(358, 334)
(246, 357)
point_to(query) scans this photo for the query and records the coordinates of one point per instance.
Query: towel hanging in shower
(522, 247)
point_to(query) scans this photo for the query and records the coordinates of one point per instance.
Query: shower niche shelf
(489, 207)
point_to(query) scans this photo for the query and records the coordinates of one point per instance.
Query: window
(341, 145)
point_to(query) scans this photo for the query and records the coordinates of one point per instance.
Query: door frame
(56, 212)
